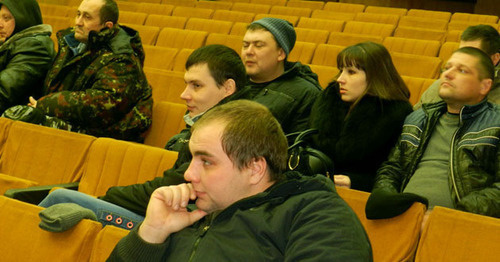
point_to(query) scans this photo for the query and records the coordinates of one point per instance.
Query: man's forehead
(198, 72)
(91, 5)
(204, 138)
(258, 35)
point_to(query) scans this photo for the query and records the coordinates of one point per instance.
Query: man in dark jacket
(214, 75)
(96, 84)
(26, 51)
(247, 208)
(447, 154)
(288, 89)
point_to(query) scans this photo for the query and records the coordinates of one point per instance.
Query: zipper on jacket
(202, 234)
(452, 173)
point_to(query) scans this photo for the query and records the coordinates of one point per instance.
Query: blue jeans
(107, 213)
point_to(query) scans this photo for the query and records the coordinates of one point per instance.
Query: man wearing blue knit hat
(288, 89)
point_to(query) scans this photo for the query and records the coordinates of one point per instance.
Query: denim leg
(107, 213)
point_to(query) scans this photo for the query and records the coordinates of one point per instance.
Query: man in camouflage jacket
(96, 84)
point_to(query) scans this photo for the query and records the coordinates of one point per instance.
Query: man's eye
(463, 71)
(206, 162)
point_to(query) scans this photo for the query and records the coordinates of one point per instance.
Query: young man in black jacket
(214, 75)
(247, 208)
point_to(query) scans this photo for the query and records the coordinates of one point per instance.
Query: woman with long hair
(359, 115)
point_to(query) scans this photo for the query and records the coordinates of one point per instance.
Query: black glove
(384, 204)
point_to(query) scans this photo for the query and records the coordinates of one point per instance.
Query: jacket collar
(34, 30)
(467, 112)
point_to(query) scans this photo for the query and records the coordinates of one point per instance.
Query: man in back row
(288, 89)
(486, 38)
(248, 209)
(96, 84)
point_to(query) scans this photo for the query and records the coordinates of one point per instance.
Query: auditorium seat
(412, 46)
(429, 14)
(166, 85)
(127, 17)
(330, 15)
(326, 55)
(417, 87)
(215, 5)
(312, 35)
(181, 58)
(192, 12)
(302, 52)
(187, 3)
(462, 25)
(58, 23)
(57, 10)
(290, 18)
(166, 21)
(322, 24)
(113, 162)
(453, 235)
(38, 155)
(233, 16)
(355, 27)
(155, 9)
(423, 22)
(209, 25)
(251, 8)
(392, 239)
(453, 35)
(239, 28)
(167, 122)
(105, 242)
(146, 1)
(478, 18)
(23, 240)
(326, 74)
(148, 34)
(416, 65)
(313, 5)
(447, 49)
(269, 2)
(344, 7)
(293, 11)
(420, 33)
(346, 39)
(127, 6)
(232, 41)
(386, 10)
(159, 57)
(5, 125)
(377, 18)
(179, 38)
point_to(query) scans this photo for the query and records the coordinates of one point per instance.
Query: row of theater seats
(449, 235)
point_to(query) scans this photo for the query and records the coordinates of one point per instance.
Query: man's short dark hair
(484, 65)
(223, 63)
(251, 132)
(109, 12)
(489, 36)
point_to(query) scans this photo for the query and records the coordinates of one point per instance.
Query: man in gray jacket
(247, 208)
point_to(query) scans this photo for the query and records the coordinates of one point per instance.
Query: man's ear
(109, 24)
(495, 58)
(259, 170)
(229, 87)
(281, 55)
(485, 86)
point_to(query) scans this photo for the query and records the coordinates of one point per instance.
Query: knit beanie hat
(282, 31)
(61, 217)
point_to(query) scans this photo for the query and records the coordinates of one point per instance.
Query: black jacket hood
(26, 13)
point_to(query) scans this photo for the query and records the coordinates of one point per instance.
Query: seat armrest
(36, 194)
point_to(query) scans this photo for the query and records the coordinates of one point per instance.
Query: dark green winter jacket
(299, 219)
(102, 91)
